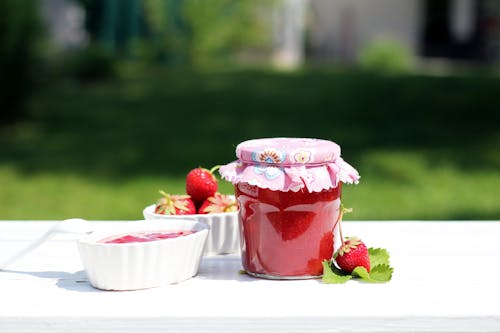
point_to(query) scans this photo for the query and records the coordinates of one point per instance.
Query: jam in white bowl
(143, 254)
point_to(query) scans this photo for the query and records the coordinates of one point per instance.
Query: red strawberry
(172, 204)
(201, 184)
(218, 203)
(290, 224)
(352, 253)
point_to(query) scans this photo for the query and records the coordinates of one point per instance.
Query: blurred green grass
(426, 147)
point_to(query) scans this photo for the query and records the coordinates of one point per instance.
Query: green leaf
(378, 274)
(332, 274)
(381, 273)
(362, 273)
(378, 257)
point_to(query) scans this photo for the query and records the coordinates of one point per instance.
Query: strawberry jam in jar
(288, 192)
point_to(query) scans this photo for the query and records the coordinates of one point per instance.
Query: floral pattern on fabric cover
(289, 164)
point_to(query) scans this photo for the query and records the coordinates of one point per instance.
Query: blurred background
(105, 102)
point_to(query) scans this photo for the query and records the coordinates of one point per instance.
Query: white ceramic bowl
(223, 237)
(131, 266)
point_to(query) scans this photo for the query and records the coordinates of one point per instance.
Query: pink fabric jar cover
(289, 164)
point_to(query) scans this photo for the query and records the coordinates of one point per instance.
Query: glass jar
(288, 192)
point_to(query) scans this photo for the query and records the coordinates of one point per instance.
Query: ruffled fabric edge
(291, 178)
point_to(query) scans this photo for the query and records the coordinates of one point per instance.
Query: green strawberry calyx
(349, 243)
(169, 203)
(220, 203)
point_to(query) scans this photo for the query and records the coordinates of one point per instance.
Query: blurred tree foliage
(178, 32)
(387, 56)
(220, 28)
(19, 31)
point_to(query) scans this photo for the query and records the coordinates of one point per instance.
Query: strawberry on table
(201, 184)
(218, 203)
(354, 260)
(172, 204)
(351, 254)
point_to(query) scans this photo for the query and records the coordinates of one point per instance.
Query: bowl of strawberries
(203, 203)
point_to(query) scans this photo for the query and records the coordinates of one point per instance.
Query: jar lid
(287, 151)
(289, 164)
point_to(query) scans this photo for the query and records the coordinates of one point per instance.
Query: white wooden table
(446, 279)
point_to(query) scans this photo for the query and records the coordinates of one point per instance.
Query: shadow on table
(71, 281)
(223, 267)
